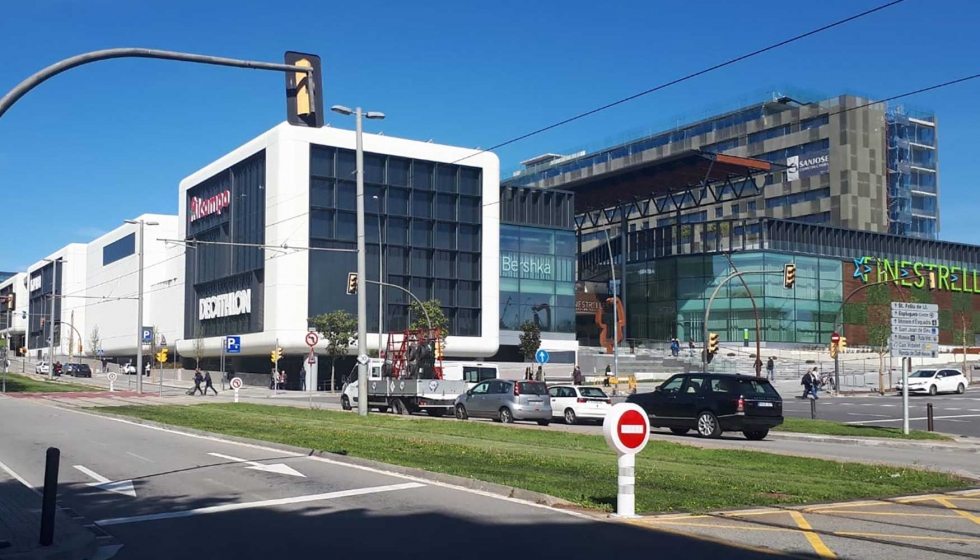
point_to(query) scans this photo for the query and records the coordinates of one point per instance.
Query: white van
(470, 372)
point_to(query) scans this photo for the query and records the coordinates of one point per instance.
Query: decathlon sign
(225, 305)
(201, 207)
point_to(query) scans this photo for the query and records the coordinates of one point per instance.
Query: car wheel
(570, 417)
(708, 425)
(506, 416)
(756, 435)
(544, 422)
(679, 431)
(961, 389)
(345, 403)
(461, 412)
(933, 390)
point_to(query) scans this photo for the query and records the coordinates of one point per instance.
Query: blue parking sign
(541, 356)
(233, 345)
(147, 335)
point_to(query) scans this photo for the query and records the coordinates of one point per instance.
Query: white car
(41, 368)
(577, 402)
(935, 381)
(129, 369)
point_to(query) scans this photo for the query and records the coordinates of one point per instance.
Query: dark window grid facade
(430, 215)
(794, 198)
(4, 308)
(212, 267)
(119, 249)
(39, 305)
(529, 206)
(537, 278)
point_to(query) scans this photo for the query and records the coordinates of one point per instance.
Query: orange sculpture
(604, 339)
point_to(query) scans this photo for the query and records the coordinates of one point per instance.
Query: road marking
(138, 456)
(911, 537)
(866, 414)
(124, 487)
(885, 513)
(278, 468)
(962, 513)
(911, 419)
(259, 504)
(17, 477)
(734, 526)
(818, 546)
(954, 409)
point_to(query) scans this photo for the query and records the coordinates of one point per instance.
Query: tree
(94, 341)
(198, 346)
(339, 329)
(436, 315)
(530, 339)
(879, 337)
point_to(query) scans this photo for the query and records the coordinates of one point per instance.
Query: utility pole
(54, 298)
(612, 273)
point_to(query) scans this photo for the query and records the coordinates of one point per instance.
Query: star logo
(862, 269)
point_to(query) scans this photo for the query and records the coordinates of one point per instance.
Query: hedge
(945, 319)
(855, 314)
(879, 295)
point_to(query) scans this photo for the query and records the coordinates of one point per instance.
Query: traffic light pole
(707, 309)
(362, 371)
(417, 300)
(67, 64)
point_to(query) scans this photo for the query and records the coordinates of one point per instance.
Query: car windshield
(923, 373)
(593, 392)
(532, 388)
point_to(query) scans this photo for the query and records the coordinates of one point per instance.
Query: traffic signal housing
(162, 355)
(842, 345)
(351, 283)
(931, 280)
(789, 275)
(438, 349)
(712, 345)
(304, 91)
(276, 355)
(833, 349)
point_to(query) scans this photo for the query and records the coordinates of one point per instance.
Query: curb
(82, 546)
(439, 478)
(968, 447)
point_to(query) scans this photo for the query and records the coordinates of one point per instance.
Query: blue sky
(110, 141)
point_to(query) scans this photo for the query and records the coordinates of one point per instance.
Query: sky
(110, 141)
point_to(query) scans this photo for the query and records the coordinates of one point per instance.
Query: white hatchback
(576, 402)
(934, 381)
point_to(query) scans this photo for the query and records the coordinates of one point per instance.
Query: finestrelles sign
(905, 273)
(201, 207)
(225, 305)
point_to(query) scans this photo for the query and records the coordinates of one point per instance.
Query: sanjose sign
(35, 283)
(904, 273)
(538, 267)
(225, 305)
(201, 207)
(805, 165)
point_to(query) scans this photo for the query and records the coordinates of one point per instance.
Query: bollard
(813, 409)
(929, 423)
(49, 499)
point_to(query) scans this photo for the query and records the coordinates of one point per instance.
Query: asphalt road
(953, 414)
(161, 494)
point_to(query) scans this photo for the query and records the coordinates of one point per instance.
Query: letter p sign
(147, 335)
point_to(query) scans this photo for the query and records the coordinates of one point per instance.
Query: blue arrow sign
(541, 356)
(233, 345)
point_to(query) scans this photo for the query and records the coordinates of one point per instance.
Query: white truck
(436, 397)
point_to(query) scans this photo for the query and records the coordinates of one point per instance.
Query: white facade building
(13, 319)
(62, 274)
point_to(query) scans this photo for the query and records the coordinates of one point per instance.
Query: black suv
(77, 370)
(712, 403)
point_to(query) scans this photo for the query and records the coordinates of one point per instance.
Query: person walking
(282, 380)
(605, 382)
(198, 379)
(208, 384)
(770, 369)
(302, 379)
(807, 383)
(577, 378)
(690, 346)
(815, 383)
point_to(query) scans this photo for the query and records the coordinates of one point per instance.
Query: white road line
(922, 418)
(17, 477)
(260, 504)
(887, 405)
(953, 409)
(278, 468)
(98, 477)
(866, 414)
(130, 453)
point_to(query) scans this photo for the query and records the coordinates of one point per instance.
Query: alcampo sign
(903, 273)
(201, 207)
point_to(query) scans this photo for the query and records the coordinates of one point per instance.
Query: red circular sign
(835, 338)
(312, 338)
(632, 429)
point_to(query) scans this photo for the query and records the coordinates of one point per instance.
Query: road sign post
(627, 430)
(112, 381)
(236, 384)
(915, 334)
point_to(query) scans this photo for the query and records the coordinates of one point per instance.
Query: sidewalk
(20, 526)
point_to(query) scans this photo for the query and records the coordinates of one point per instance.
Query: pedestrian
(198, 379)
(273, 379)
(527, 373)
(632, 384)
(815, 383)
(302, 379)
(208, 384)
(605, 382)
(577, 376)
(690, 346)
(282, 380)
(807, 383)
(540, 374)
(770, 369)
(147, 368)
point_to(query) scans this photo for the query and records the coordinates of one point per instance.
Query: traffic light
(931, 280)
(438, 351)
(713, 343)
(272, 356)
(11, 302)
(351, 283)
(162, 355)
(842, 345)
(304, 91)
(276, 355)
(22, 351)
(833, 350)
(789, 275)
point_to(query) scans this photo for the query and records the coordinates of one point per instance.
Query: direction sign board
(902, 329)
(626, 428)
(920, 338)
(908, 322)
(541, 356)
(917, 315)
(903, 306)
(913, 353)
(312, 338)
(233, 345)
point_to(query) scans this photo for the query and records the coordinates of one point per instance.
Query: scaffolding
(913, 207)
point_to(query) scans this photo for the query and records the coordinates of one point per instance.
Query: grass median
(24, 384)
(576, 467)
(827, 428)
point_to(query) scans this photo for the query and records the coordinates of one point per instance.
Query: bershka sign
(201, 207)
(814, 163)
(35, 283)
(225, 305)
(537, 267)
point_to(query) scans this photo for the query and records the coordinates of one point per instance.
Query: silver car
(505, 401)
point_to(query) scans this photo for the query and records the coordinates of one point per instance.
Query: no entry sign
(627, 428)
(835, 338)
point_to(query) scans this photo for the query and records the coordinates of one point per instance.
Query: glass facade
(537, 278)
(119, 249)
(426, 219)
(667, 297)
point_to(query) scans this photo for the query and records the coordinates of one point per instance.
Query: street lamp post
(381, 278)
(139, 307)
(362, 402)
(612, 273)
